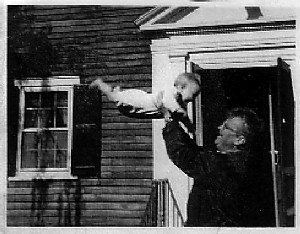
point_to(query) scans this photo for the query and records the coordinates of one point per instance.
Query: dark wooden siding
(85, 202)
(90, 42)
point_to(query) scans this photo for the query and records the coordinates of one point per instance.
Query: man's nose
(179, 88)
(220, 128)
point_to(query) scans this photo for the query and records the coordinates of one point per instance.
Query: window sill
(25, 176)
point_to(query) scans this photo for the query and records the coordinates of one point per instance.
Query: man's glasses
(225, 126)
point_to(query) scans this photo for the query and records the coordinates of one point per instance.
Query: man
(229, 188)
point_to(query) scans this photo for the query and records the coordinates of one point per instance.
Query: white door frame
(171, 56)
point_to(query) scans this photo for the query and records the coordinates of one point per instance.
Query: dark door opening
(229, 88)
(224, 89)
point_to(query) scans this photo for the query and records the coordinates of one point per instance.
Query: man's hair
(193, 77)
(253, 125)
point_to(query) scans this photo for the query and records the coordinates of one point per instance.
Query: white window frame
(57, 83)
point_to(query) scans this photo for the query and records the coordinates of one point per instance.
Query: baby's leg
(107, 89)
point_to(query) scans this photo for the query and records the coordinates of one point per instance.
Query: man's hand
(161, 107)
(126, 107)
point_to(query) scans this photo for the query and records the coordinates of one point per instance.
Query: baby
(146, 105)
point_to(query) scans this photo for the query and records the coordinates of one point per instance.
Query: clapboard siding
(90, 58)
(136, 154)
(82, 183)
(104, 11)
(64, 221)
(84, 198)
(91, 42)
(100, 72)
(77, 202)
(132, 132)
(128, 206)
(114, 119)
(126, 162)
(128, 139)
(82, 190)
(90, 213)
(121, 62)
(103, 45)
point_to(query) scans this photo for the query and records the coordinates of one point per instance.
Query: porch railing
(162, 209)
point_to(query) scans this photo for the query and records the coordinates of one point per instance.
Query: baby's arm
(134, 97)
(132, 103)
(138, 113)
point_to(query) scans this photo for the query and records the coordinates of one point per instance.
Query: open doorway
(223, 89)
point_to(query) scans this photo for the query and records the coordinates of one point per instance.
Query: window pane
(29, 159)
(47, 140)
(29, 141)
(32, 100)
(62, 99)
(46, 120)
(45, 148)
(61, 159)
(62, 117)
(47, 159)
(31, 119)
(47, 99)
(62, 140)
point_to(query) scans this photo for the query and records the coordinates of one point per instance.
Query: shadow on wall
(56, 203)
(39, 204)
(31, 53)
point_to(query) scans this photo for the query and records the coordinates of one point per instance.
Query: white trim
(164, 70)
(53, 129)
(23, 176)
(57, 83)
(236, 50)
(184, 45)
(160, 46)
(20, 128)
(46, 89)
(210, 16)
(70, 127)
(215, 51)
(48, 81)
(149, 13)
(179, 24)
(242, 59)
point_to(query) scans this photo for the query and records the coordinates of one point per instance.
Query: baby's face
(188, 90)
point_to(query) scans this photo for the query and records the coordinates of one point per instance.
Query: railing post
(154, 205)
(160, 204)
(166, 203)
(162, 209)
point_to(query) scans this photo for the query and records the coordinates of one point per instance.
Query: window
(44, 141)
(45, 127)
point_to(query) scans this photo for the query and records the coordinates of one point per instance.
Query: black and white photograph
(147, 116)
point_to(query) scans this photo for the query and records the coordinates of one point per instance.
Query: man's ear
(240, 140)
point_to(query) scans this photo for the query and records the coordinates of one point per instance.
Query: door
(282, 144)
(194, 113)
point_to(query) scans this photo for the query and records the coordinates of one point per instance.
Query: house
(74, 160)
(246, 56)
